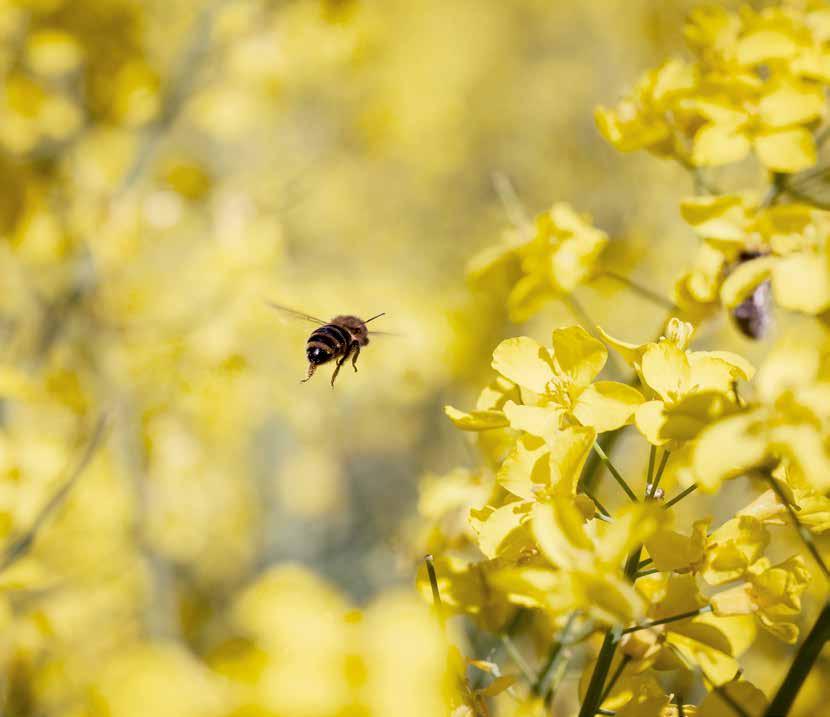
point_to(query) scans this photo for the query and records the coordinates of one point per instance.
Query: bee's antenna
(375, 317)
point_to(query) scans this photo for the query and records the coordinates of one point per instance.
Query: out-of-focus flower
(789, 421)
(772, 593)
(756, 84)
(306, 652)
(745, 246)
(547, 262)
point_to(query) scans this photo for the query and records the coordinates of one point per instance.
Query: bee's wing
(296, 314)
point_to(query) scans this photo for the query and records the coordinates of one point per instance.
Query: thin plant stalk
(603, 456)
(680, 496)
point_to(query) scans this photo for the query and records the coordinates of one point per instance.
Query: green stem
(593, 697)
(589, 476)
(616, 676)
(641, 290)
(600, 507)
(652, 456)
(804, 660)
(662, 467)
(665, 620)
(603, 456)
(680, 496)
(556, 654)
(516, 656)
(596, 687)
(643, 573)
(21, 545)
(436, 594)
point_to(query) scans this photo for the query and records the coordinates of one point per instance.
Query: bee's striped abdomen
(326, 343)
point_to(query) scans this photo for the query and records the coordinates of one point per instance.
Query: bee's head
(317, 355)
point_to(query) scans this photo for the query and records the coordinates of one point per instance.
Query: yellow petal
(526, 469)
(499, 685)
(787, 150)
(740, 368)
(719, 217)
(804, 446)
(560, 532)
(789, 365)
(569, 449)
(607, 405)
(528, 296)
(627, 130)
(767, 42)
(650, 419)
(578, 354)
(476, 420)
(609, 598)
(666, 370)
(631, 353)
(717, 144)
(633, 524)
(672, 551)
(718, 667)
(525, 362)
(648, 707)
(734, 601)
(539, 421)
(745, 694)
(573, 262)
(801, 282)
(744, 279)
(494, 526)
(793, 101)
(728, 448)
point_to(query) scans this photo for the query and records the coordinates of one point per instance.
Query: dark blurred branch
(178, 91)
(21, 545)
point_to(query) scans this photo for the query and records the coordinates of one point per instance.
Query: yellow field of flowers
(583, 466)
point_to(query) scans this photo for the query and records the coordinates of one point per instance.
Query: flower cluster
(751, 253)
(756, 84)
(543, 262)
(541, 551)
(553, 556)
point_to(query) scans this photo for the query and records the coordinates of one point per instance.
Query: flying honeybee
(338, 339)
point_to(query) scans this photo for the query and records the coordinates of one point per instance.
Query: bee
(338, 339)
(753, 316)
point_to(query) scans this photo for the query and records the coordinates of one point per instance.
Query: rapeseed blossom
(543, 262)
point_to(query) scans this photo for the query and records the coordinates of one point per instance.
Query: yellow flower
(745, 246)
(772, 593)
(733, 549)
(812, 508)
(790, 421)
(549, 261)
(687, 389)
(557, 388)
(705, 641)
(593, 555)
(756, 85)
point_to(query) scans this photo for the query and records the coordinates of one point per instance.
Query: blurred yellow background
(166, 169)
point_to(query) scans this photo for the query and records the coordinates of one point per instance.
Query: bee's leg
(340, 362)
(311, 368)
(355, 354)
